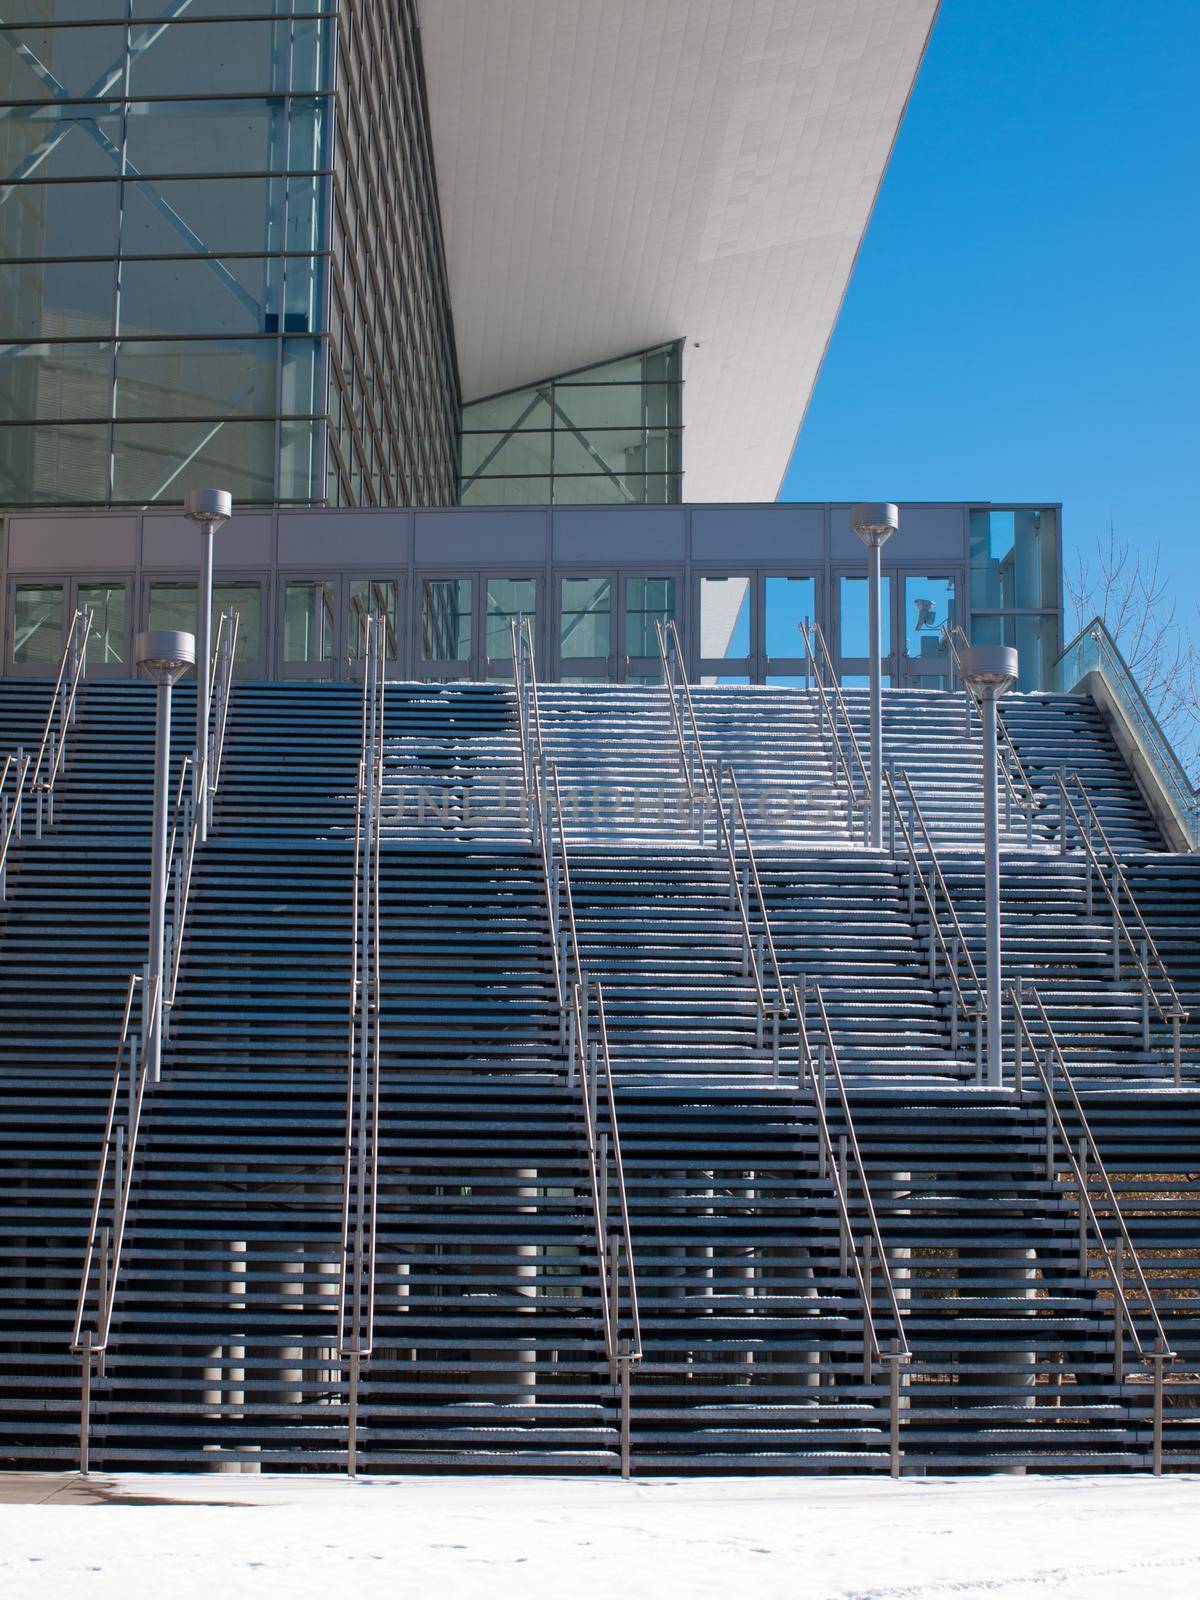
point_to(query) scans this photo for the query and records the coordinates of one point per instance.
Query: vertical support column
(875, 559)
(208, 509)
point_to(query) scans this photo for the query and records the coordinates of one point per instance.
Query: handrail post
(1157, 1358)
(868, 1293)
(85, 1404)
(625, 1368)
(894, 1406)
(1119, 1316)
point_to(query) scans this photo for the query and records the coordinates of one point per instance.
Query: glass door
(446, 620)
(308, 613)
(507, 600)
(929, 603)
(789, 601)
(585, 628)
(108, 646)
(851, 645)
(728, 628)
(645, 601)
(378, 597)
(36, 626)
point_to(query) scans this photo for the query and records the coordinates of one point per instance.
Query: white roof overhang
(614, 174)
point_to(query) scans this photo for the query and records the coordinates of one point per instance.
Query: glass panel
(38, 624)
(724, 619)
(174, 58)
(45, 382)
(202, 216)
(106, 640)
(789, 602)
(62, 63)
(60, 219)
(647, 601)
(855, 634)
(308, 621)
(507, 599)
(223, 136)
(55, 463)
(585, 626)
(506, 455)
(59, 141)
(200, 296)
(446, 619)
(246, 600)
(1036, 640)
(151, 460)
(56, 299)
(173, 605)
(197, 378)
(861, 680)
(373, 597)
(928, 607)
(1014, 559)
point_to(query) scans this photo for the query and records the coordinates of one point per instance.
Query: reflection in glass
(585, 625)
(173, 605)
(37, 624)
(446, 619)
(508, 599)
(373, 597)
(724, 619)
(928, 607)
(647, 601)
(854, 617)
(308, 622)
(106, 640)
(789, 602)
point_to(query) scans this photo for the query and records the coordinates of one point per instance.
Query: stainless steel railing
(360, 1154)
(583, 1037)
(193, 786)
(864, 1253)
(38, 775)
(705, 786)
(1121, 1262)
(833, 721)
(1018, 793)
(968, 1001)
(816, 1069)
(1157, 989)
(110, 1200)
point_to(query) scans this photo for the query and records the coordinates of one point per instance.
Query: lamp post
(990, 670)
(208, 509)
(164, 656)
(875, 524)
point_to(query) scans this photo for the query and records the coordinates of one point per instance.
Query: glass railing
(1095, 650)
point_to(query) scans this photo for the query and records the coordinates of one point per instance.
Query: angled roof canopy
(618, 173)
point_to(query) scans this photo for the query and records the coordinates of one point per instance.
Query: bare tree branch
(1127, 590)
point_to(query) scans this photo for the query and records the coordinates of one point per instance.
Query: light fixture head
(164, 654)
(208, 508)
(991, 669)
(875, 521)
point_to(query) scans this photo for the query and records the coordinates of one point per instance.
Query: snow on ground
(226, 1537)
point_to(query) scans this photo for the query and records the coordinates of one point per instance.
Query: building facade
(220, 256)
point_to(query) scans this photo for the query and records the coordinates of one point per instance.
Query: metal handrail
(808, 629)
(973, 1008)
(360, 1152)
(1082, 1160)
(588, 1059)
(190, 799)
(709, 793)
(814, 1071)
(1174, 1014)
(27, 770)
(106, 1243)
(1026, 798)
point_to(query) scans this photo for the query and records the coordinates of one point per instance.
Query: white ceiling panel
(617, 173)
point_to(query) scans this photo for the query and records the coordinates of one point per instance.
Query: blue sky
(1024, 319)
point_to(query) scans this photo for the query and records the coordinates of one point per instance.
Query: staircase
(489, 1344)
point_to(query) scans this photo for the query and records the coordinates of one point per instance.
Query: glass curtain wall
(161, 237)
(1015, 587)
(604, 435)
(187, 213)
